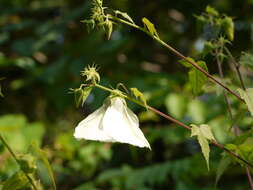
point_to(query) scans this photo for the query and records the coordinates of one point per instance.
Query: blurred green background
(43, 48)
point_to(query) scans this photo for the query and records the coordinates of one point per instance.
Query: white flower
(113, 122)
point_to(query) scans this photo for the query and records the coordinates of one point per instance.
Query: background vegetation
(43, 48)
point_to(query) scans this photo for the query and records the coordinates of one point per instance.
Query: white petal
(90, 128)
(122, 124)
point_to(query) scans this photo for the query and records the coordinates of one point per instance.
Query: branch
(177, 53)
(174, 121)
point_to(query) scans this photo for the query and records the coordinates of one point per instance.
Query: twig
(222, 76)
(174, 121)
(177, 53)
(237, 67)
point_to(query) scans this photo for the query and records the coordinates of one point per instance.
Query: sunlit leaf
(212, 11)
(124, 15)
(203, 133)
(186, 63)
(139, 95)
(228, 25)
(247, 95)
(150, 26)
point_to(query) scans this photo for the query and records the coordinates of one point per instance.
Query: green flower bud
(91, 74)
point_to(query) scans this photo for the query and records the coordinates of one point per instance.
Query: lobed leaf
(203, 133)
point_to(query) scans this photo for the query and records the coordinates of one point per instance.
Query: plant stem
(16, 159)
(237, 67)
(236, 129)
(249, 177)
(222, 76)
(177, 53)
(172, 120)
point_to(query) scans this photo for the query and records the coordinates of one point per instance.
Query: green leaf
(43, 157)
(81, 95)
(197, 78)
(124, 15)
(27, 163)
(203, 133)
(186, 63)
(139, 95)
(89, 23)
(247, 95)
(246, 60)
(212, 11)
(228, 25)
(231, 146)
(16, 181)
(150, 26)
(223, 165)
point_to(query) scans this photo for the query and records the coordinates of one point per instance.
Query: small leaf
(246, 60)
(124, 15)
(16, 181)
(89, 23)
(43, 157)
(27, 163)
(248, 97)
(186, 63)
(212, 11)
(203, 133)
(231, 146)
(139, 95)
(197, 78)
(81, 95)
(223, 165)
(228, 25)
(150, 26)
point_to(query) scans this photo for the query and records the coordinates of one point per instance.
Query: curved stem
(16, 159)
(172, 120)
(237, 67)
(177, 53)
